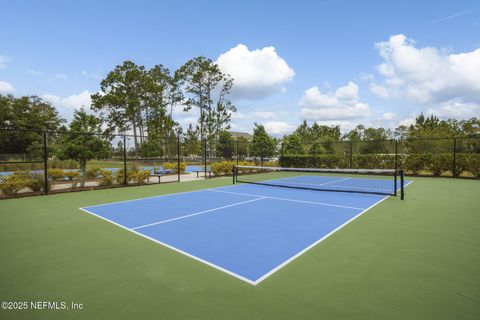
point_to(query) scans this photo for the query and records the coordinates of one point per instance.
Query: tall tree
(292, 145)
(225, 145)
(202, 80)
(191, 142)
(121, 99)
(25, 113)
(84, 140)
(162, 94)
(262, 145)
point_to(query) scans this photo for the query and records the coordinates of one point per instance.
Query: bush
(173, 166)
(106, 178)
(10, 185)
(470, 163)
(37, 182)
(417, 161)
(56, 174)
(317, 161)
(439, 163)
(92, 173)
(139, 176)
(222, 168)
(70, 175)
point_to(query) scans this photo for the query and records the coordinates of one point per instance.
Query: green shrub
(222, 168)
(439, 163)
(70, 175)
(37, 182)
(92, 173)
(314, 161)
(174, 166)
(417, 161)
(56, 174)
(12, 184)
(471, 163)
(139, 176)
(106, 178)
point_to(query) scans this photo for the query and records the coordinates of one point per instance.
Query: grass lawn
(412, 259)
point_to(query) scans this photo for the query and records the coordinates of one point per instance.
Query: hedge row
(33, 182)
(437, 164)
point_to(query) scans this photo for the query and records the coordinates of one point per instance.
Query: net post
(395, 183)
(125, 160)
(205, 157)
(45, 162)
(233, 173)
(178, 157)
(402, 185)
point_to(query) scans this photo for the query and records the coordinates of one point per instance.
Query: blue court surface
(248, 231)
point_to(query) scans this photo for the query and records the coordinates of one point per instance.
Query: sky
(378, 63)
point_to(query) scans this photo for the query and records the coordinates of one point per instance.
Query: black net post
(45, 162)
(178, 158)
(454, 158)
(395, 182)
(402, 185)
(125, 180)
(233, 174)
(205, 157)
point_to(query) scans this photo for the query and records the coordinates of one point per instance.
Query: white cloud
(278, 128)
(3, 61)
(345, 125)
(35, 72)
(257, 73)
(427, 75)
(339, 105)
(407, 122)
(239, 116)
(264, 114)
(450, 17)
(6, 88)
(388, 116)
(455, 109)
(379, 90)
(67, 105)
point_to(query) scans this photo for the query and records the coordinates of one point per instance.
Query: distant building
(236, 134)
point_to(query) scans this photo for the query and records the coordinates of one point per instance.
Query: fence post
(45, 162)
(205, 157)
(351, 155)
(454, 157)
(125, 180)
(396, 154)
(178, 157)
(238, 156)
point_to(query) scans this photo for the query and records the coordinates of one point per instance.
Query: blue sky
(335, 62)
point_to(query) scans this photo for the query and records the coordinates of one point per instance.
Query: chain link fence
(37, 162)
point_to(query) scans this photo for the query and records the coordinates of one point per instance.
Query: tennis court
(250, 230)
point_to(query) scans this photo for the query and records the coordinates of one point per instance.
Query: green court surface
(412, 259)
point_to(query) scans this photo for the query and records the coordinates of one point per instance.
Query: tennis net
(371, 181)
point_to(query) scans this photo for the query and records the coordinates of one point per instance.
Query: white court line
(286, 199)
(268, 274)
(197, 213)
(281, 265)
(174, 249)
